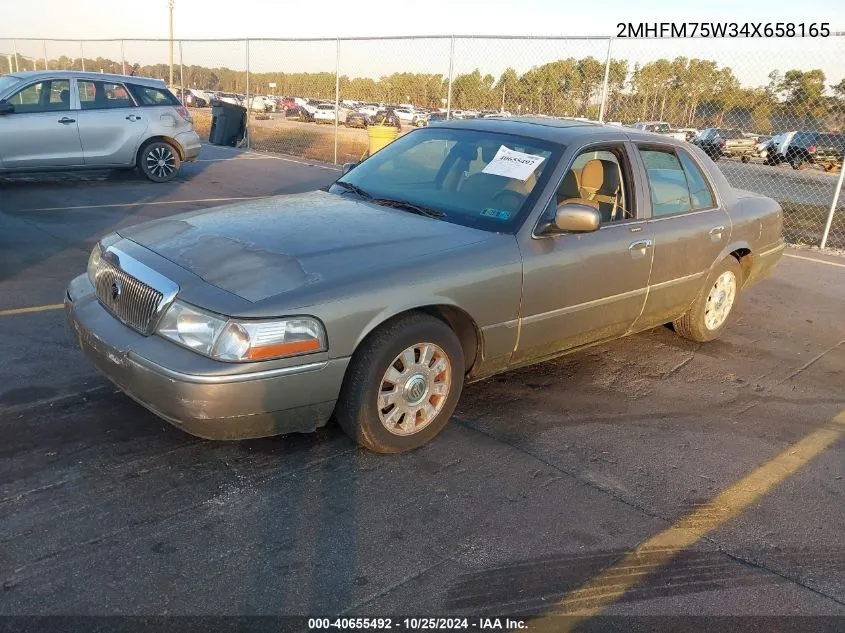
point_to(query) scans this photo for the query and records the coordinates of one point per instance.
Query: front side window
(668, 183)
(102, 95)
(597, 179)
(44, 96)
(481, 179)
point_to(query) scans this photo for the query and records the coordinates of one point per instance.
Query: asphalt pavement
(566, 483)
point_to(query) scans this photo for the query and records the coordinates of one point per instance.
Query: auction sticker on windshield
(512, 164)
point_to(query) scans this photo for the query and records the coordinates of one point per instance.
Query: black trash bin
(228, 124)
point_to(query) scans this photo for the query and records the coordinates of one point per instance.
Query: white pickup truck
(660, 127)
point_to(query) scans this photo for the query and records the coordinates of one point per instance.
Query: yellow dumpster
(380, 135)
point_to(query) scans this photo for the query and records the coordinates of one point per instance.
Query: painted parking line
(246, 152)
(813, 259)
(152, 203)
(13, 311)
(608, 586)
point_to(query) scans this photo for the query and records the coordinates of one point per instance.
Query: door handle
(716, 233)
(638, 249)
(133, 118)
(65, 120)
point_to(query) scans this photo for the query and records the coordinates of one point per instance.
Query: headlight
(94, 261)
(235, 340)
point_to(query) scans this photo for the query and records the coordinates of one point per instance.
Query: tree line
(687, 92)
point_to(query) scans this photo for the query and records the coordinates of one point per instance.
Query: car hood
(268, 247)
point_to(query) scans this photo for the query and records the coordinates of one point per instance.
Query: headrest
(610, 174)
(64, 96)
(488, 152)
(592, 176)
(569, 186)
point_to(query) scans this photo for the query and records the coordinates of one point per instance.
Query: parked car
(660, 127)
(357, 119)
(420, 119)
(405, 115)
(722, 142)
(229, 97)
(435, 117)
(375, 302)
(689, 133)
(813, 148)
(387, 117)
(60, 120)
(299, 113)
(325, 113)
(195, 98)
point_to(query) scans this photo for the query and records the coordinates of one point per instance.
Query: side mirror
(347, 167)
(574, 217)
(6, 108)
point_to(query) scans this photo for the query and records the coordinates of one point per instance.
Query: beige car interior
(476, 184)
(597, 184)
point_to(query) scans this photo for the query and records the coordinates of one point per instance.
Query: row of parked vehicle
(796, 148)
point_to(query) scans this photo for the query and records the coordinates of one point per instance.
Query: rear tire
(708, 315)
(402, 384)
(159, 161)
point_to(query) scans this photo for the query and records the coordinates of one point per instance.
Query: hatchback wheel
(708, 316)
(159, 161)
(402, 384)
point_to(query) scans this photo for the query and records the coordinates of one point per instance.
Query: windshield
(7, 81)
(479, 179)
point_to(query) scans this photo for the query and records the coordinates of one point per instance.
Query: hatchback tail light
(812, 149)
(183, 112)
(723, 143)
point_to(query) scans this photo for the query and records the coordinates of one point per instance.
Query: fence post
(336, 96)
(248, 109)
(82, 55)
(17, 63)
(451, 74)
(181, 74)
(44, 44)
(122, 56)
(833, 204)
(604, 85)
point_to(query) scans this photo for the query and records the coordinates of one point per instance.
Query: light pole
(170, 4)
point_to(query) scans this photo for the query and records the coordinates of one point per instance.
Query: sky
(751, 60)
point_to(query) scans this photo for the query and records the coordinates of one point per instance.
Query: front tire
(159, 161)
(402, 384)
(707, 318)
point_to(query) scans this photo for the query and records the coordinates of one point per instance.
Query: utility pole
(170, 4)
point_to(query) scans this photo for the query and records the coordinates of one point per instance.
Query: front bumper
(191, 146)
(207, 403)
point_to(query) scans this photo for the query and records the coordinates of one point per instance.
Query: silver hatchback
(61, 120)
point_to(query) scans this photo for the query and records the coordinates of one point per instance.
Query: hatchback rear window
(153, 96)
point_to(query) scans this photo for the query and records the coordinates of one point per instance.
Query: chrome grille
(130, 300)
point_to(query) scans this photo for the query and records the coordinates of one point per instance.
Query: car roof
(564, 131)
(67, 74)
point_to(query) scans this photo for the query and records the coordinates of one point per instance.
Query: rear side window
(668, 182)
(701, 196)
(100, 95)
(147, 96)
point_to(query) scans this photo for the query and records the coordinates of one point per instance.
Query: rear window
(153, 96)
(102, 95)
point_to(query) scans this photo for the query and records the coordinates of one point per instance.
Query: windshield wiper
(409, 206)
(354, 188)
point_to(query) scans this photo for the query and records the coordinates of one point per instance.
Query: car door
(111, 125)
(689, 226)
(587, 287)
(42, 131)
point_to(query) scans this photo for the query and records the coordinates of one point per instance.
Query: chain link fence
(300, 94)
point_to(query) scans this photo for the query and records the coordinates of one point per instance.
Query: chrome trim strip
(581, 306)
(225, 378)
(508, 324)
(677, 280)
